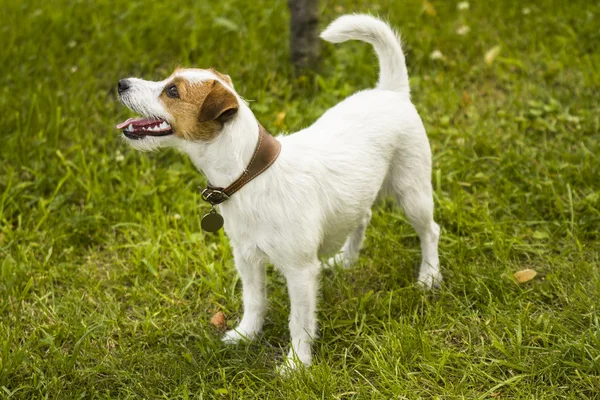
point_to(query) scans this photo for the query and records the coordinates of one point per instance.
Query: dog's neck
(226, 157)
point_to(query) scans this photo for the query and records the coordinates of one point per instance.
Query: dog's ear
(224, 77)
(227, 79)
(218, 105)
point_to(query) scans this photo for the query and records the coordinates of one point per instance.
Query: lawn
(108, 284)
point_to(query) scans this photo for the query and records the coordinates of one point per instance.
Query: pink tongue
(137, 122)
(124, 124)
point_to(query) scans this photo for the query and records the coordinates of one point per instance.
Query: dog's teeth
(163, 125)
(129, 128)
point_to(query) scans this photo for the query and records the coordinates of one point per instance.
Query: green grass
(108, 283)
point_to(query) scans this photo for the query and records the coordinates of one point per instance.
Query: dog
(315, 199)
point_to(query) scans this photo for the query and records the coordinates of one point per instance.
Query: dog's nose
(123, 85)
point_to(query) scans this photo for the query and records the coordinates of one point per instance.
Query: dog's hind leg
(410, 182)
(348, 256)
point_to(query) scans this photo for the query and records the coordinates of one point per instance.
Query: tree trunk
(304, 34)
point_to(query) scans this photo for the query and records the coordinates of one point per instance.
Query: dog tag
(212, 222)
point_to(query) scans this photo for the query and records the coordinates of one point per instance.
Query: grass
(108, 283)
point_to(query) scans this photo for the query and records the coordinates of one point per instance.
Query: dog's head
(190, 105)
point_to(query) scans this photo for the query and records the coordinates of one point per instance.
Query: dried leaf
(279, 120)
(218, 321)
(227, 24)
(428, 8)
(525, 275)
(463, 30)
(463, 5)
(436, 55)
(491, 55)
(466, 100)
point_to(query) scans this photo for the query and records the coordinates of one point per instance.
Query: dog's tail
(392, 65)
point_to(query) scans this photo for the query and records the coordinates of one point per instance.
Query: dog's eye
(172, 92)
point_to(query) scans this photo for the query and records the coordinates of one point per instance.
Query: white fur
(392, 66)
(317, 197)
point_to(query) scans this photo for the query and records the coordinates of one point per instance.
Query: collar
(266, 152)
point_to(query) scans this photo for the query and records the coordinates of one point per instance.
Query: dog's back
(349, 151)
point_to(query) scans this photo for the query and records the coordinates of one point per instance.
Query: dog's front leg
(254, 296)
(303, 285)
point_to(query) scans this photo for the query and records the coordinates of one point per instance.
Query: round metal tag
(212, 222)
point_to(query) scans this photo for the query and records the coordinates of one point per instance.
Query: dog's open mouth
(137, 128)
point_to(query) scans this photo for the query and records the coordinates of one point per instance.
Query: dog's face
(190, 105)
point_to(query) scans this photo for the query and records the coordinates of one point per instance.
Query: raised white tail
(392, 65)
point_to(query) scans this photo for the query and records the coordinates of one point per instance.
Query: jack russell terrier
(293, 199)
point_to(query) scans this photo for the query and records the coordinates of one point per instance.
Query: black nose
(123, 85)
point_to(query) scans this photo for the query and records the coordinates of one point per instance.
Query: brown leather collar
(266, 152)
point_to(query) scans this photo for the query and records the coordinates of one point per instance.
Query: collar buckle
(214, 196)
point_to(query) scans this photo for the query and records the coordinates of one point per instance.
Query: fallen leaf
(227, 24)
(466, 100)
(463, 30)
(436, 55)
(463, 5)
(525, 275)
(428, 8)
(491, 55)
(497, 394)
(279, 119)
(218, 321)
(540, 235)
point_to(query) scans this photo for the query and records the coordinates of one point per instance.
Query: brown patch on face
(201, 108)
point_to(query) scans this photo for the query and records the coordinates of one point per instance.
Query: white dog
(316, 198)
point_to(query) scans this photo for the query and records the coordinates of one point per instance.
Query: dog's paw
(430, 280)
(237, 335)
(339, 259)
(333, 261)
(293, 363)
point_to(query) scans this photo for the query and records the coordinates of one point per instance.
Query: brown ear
(220, 104)
(225, 78)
